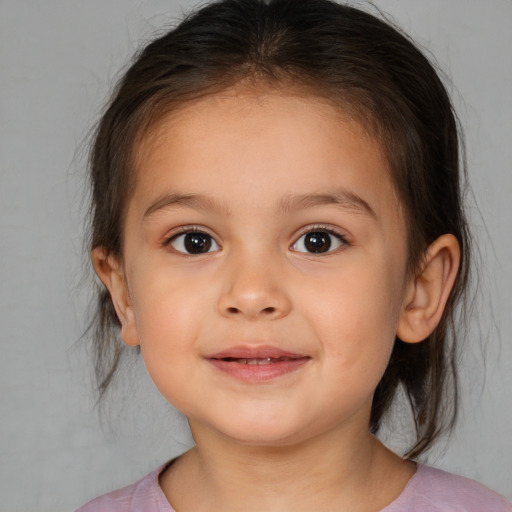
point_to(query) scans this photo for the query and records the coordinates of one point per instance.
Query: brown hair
(369, 69)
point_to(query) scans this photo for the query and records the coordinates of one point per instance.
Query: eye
(193, 242)
(319, 241)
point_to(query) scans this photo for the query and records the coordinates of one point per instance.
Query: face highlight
(264, 266)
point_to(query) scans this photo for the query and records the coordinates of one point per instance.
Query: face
(265, 266)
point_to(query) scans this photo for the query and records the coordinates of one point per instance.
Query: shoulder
(434, 490)
(141, 496)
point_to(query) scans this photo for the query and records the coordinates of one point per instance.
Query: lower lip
(253, 373)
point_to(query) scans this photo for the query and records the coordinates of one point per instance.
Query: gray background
(57, 61)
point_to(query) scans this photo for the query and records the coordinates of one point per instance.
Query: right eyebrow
(193, 201)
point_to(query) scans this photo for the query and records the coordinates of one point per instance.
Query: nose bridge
(254, 286)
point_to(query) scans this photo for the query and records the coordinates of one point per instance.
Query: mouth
(258, 364)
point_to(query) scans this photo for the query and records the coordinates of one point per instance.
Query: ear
(111, 272)
(427, 293)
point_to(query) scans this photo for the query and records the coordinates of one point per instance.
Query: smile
(257, 364)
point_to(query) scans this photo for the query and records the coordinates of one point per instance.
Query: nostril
(232, 310)
(269, 310)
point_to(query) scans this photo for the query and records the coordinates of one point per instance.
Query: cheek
(168, 333)
(165, 301)
(355, 317)
(168, 317)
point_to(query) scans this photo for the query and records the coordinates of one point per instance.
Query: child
(277, 221)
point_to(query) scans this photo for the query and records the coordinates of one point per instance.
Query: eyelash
(187, 230)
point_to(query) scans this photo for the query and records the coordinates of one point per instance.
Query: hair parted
(365, 67)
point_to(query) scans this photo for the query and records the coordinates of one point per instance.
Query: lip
(253, 364)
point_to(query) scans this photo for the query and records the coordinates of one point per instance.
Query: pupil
(197, 243)
(317, 242)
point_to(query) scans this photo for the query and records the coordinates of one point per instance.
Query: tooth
(256, 361)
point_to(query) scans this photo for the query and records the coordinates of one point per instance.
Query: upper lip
(254, 352)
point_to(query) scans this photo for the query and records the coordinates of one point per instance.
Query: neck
(311, 475)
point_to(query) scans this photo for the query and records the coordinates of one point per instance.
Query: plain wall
(57, 62)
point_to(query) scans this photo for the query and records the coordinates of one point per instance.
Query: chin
(266, 434)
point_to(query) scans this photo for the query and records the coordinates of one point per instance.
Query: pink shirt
(429, 490)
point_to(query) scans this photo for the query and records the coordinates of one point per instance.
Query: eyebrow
(194, 201)
(342, 198)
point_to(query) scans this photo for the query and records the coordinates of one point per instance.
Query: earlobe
(428, 292)
(111, 273)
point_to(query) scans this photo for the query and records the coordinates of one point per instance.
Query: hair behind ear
(423, 362)
(112, 317)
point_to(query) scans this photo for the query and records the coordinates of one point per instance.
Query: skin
(299, 441)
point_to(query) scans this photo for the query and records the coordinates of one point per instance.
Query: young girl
(277, 223)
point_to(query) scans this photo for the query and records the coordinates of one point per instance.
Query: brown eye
(194, 243)
(318, 242)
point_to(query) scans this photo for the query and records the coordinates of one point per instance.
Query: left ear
(427, 293)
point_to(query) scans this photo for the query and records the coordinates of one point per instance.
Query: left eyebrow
(344, 199)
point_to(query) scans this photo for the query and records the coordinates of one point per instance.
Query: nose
(254, 289)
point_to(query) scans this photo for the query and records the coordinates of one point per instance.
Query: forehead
(248, 102)
(284, 140)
